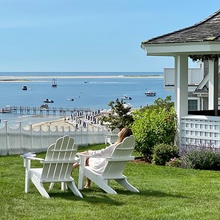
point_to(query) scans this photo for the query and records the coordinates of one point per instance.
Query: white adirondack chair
(57, 167)
(113, 170)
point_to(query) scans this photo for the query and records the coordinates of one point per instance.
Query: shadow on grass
(150, 193)
(97, 195)
(89, 196)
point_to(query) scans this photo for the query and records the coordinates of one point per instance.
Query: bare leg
(74, 166)
(88, 183)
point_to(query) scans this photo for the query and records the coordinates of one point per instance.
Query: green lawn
(165, 193)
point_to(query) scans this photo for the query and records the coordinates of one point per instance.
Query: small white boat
(70, 99)
(6, 109)
(150, 93)
(126, 98)
(48, 101)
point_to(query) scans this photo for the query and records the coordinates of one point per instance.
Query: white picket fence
(18, 139)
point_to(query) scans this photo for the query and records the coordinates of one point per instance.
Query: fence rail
(18, 140)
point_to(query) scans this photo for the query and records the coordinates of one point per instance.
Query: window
(193, 104)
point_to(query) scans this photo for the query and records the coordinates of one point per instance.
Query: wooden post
(181, 91)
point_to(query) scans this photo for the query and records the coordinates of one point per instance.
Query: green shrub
(164, 153)
(203, 159)
(174, 162)
(153, 125)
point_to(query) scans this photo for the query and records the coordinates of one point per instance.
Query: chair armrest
(34, 158)
(80, 154)
(91, 155)
(27, 157)
(82, 159)
(29, 154)
(83, 155)
(120, 159)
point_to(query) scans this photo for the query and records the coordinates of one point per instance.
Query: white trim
(202, 117)
(170, 49)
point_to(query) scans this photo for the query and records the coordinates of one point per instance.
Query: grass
(165, 193)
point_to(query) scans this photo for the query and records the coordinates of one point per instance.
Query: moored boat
(48, 101)
(126, 98)
(24, 87)
(150, 93)
(54, 83)
(70, 99)
(6, 109)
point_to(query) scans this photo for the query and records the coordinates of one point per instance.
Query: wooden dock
(27, 110)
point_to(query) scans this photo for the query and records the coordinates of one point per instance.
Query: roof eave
(191, 48)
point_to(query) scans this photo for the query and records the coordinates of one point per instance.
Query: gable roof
(207, 30)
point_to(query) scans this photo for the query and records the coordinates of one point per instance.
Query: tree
(120, 115)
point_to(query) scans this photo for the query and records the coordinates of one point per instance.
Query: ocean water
(93, 93)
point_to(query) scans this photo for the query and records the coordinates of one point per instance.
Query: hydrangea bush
(163, 153)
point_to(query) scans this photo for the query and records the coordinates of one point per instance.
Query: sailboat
(54, 83)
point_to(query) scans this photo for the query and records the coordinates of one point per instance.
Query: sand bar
(28, 78)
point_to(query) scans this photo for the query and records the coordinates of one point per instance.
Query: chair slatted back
(59, 159)
(119, 158)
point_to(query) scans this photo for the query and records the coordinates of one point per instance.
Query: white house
(195, 77)
(198, 42)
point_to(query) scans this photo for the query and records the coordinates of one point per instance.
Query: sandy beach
(57, 123)
(52, 124)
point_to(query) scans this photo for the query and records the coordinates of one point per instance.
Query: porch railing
(200, 130)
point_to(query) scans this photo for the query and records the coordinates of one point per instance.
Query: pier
(27, 110)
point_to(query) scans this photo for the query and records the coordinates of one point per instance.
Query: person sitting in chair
(98, 162)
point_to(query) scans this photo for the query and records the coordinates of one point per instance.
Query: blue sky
(90, 35)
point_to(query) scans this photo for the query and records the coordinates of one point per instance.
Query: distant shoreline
(28, 78)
